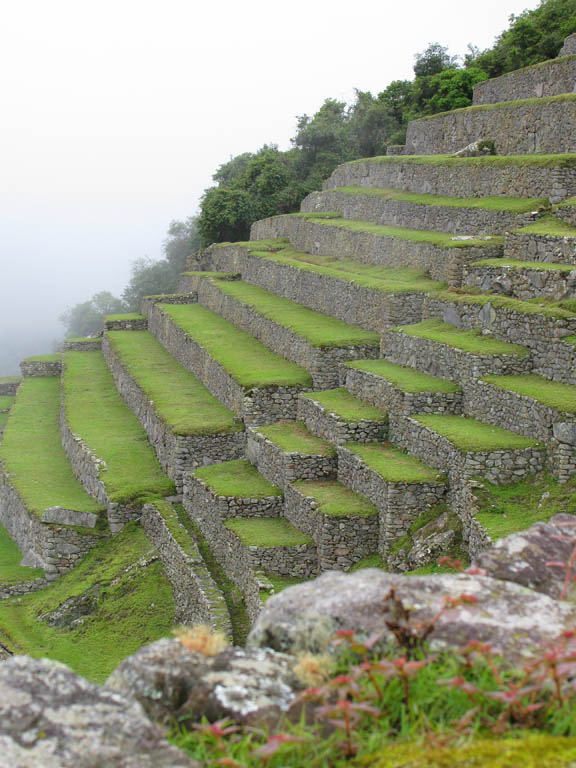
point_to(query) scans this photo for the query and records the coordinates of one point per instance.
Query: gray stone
(69, 517)
(565, 433)
(51, 718)
(73, 608)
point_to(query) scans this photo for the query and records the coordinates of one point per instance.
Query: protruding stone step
(523, 280)
(526, 126)
(242, 373)
(399, 485)
(360, 294)
(458, 215)
(549, 240)
(42, 366)
(83, 343)
(465, 448)
(400, 389)
(132, 321)
(439, 253)
(530, 176)
(441, 349)
(338, 417)
(287, 451)
(186, 425)
(310, 339)
(343, 524)
(531, 405)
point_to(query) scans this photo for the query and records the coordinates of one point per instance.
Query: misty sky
(115, 114)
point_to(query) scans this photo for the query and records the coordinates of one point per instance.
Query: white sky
(115, 114)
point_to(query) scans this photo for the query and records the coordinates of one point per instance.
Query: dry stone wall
(529, 247)
(566, 213)
(87, 345)
(41, 368)
(550, 78)
(569, 47)
(522, 282)
(235, 506)
(336, 430)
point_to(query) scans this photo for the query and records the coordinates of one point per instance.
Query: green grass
(319, 330)
(407, 379)
(293, 437)
(124, 316)
(6, 402)
(179, 398)
(542, 266)
(3, 419)
(85, 339)
(33, 455)
(248, 361)
(335, 500)
(346, 406)
(282, 582)
(53, 358)
(11, 572)
(238, 479)
(370, 561)
(472, 341)
(471, 435)
(509, 204)
(567, 160)
(393, 465)
(96, 412)
(267, 532)
(570, 203)
(134, 607)
(10, 379)
(506, 509)
(563, 97)
(438, 239)
(550, 393)
(548, 225)
(554, 310)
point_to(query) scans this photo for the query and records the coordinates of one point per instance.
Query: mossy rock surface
(238, 478)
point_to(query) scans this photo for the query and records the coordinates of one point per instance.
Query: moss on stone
(238, 479)
(407, 379)
(471, 435)
(473, 341)
(267, 532)
(334, 499)
(294, 437)
(344, 405)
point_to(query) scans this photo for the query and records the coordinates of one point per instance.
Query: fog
(114, 115)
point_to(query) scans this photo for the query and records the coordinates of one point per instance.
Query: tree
(433, 60)
(452, 89)
(87, 318)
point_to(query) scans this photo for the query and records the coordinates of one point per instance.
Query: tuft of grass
(542, 266)
(438, 239)
(503, 105)
(347, 407)
(11, 572)
(473, 341)
(267, 532)
(336, 500)
(471, 435)
(508, 204)
(179, 398)
(248, 361)
(407, 379)
(96, 412)
(318, 329)
(238, 479)
(32, 453)
(506, 509)
(548, 225)
(566, 160)
(294, 437)
(394, 465)
(550, 393)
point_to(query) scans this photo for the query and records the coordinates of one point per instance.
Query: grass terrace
(384, 279)
(508, 204)
(472, 341)
(563, 97)
(394, 465)
(548, 225)
(96, 412)
(407, 379)
(550, 393)
(542, 266)
(3, 419)
(85, 339)
(179, 398)
(346, 406)
(556, 310)
(438, 239)
(474, 436)
(52, 358)
(11, 572)
(570, 203)
(267, 532)
(6, 402)
(317, 329)
(10, 379)
(567, 160)
(125, 316)
(293, 437)
(248, 361)
(334, 499)
(33, 456)
(238, 478)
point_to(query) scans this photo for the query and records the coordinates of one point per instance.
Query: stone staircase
(313, 392)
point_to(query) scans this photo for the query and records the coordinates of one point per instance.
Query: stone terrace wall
(539, 127)
(443, 264)
(569, 47)
(300, 562)
(550, 78)
(41, 368)
(566, 213)
(21, 588)
(82, 346)
(329, 426)
(522, 283)
(528, 247)
(54, 548)
(463, 503)
(458, 178)
(128, 324)
(400, 213)
(321, 362)
(235, 506)
(176, 453)
(149, 301)
(369, 308)
(9, 387)
(192, 586)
